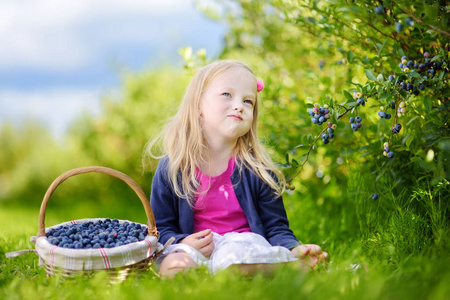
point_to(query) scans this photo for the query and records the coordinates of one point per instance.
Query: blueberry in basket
(97, 234)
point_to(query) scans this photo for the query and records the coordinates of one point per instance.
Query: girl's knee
(175, 263)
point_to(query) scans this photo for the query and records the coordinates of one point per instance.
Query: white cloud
(54, 108)
(49, 35)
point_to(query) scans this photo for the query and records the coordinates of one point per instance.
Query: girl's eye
(248, 102)
(226, 94)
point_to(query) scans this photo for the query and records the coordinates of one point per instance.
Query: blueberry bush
(378, 73)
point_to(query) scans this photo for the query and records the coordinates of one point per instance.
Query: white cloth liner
(234, 248)
(92, 259)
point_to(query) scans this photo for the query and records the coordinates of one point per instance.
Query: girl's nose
(238, 107)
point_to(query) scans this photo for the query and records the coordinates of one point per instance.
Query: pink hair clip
(259, 85)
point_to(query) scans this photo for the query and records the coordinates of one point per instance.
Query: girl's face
(226, 106)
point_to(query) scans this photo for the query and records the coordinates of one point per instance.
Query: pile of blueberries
(319, 114)
(97, 234)
(355, 123)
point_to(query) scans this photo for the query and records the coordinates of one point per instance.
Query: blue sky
(58, 57)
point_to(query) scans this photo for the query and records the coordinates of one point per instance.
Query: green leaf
(416, 159)
(428, 103)
(412, 120)
(350, 56)
(365, 59)
(432, 142)
(409, 140)
(383, 96)
(415, 74)
(444, 145)
(430, 135)
(356, 84)
(381, 48)
(380, 77)
(403, 93)
(371, 75)
(431, 12)
(348, 95)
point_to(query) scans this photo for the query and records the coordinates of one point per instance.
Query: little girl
(216, 191)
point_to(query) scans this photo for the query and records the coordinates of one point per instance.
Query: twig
(307, 154)
(423, 22)
(345, 112)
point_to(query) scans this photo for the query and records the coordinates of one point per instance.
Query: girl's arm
(273, 215)
(164, 203)
(274, 219)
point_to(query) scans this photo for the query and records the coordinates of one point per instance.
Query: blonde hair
(186, 147)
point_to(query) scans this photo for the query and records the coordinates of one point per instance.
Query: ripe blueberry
(379, 10)
(409, 22)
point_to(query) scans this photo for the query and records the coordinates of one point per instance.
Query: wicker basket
(75, 262)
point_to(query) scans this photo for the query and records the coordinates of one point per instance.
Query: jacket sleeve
(274, 219)
(164, 203)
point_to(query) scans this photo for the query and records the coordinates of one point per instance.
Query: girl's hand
(201, 241)
(310, 254)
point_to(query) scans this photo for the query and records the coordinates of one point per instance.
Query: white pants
(234, 248)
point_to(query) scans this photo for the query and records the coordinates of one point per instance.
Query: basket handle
(137, 189)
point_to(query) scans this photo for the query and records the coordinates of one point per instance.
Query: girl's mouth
(237, 117)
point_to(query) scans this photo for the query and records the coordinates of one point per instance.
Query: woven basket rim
(152, 231)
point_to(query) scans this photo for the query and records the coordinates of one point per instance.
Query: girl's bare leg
(175, 263)
(305, 264)
(254, 269)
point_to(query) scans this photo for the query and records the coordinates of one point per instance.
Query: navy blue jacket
(265, 213)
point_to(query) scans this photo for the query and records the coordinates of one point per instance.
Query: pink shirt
(219, 209)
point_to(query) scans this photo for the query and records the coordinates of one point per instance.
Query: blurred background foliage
(306, 52)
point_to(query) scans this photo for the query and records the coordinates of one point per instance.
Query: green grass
(422, 276)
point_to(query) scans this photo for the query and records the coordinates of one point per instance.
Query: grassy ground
(349, 274)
